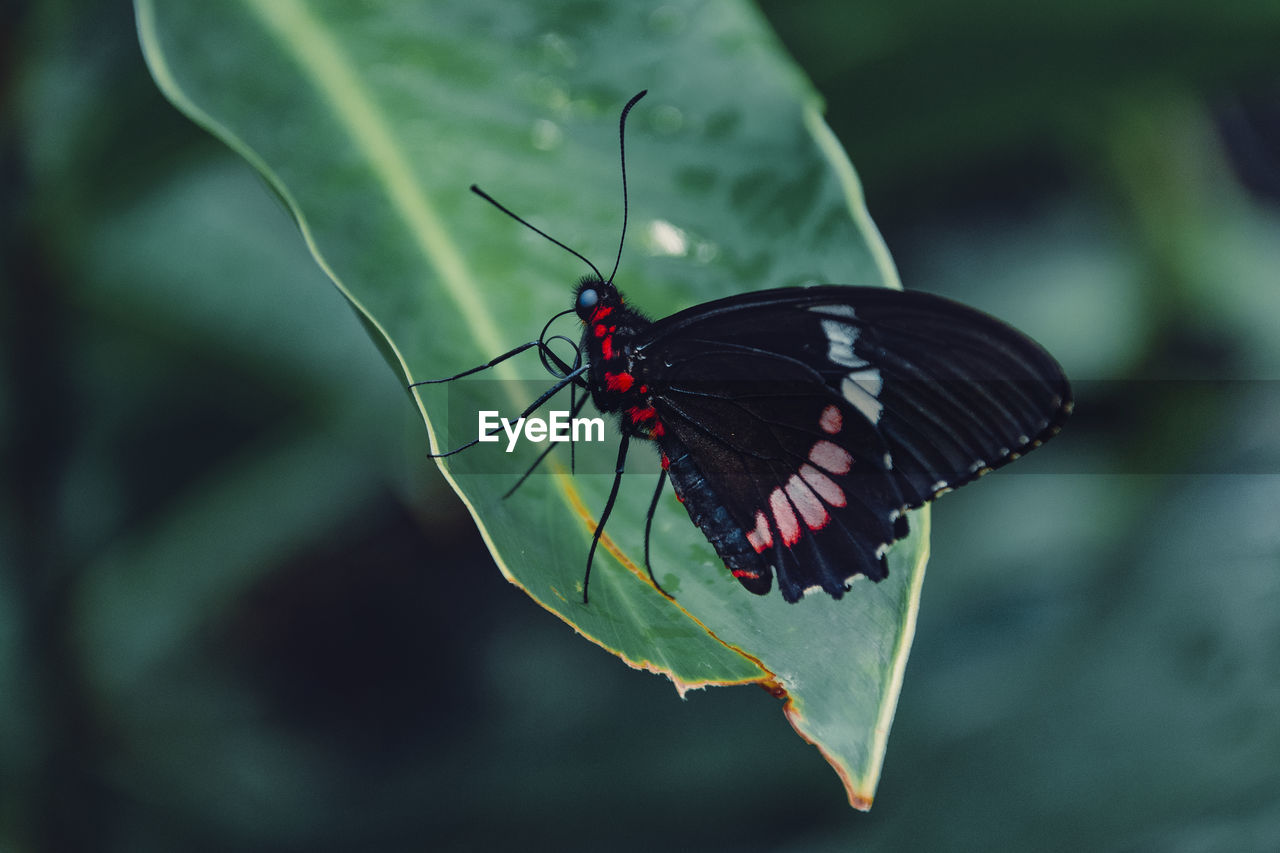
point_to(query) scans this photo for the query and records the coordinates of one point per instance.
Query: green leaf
(371, 120)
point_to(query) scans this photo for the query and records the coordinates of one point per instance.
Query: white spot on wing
(830, 457)
(810, 508)
(761, 537)
(839, 333)
(840, 338)
(862, 388)
(784, 517)
(823, 485)
(869, 380)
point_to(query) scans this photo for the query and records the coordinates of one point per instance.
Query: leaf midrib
(304, 38)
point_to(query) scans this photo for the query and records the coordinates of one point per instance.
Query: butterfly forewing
(962, 393)
(767, 459)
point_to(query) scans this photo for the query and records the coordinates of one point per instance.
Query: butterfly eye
(588, 297)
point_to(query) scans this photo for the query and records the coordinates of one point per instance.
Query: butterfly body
(616, 368)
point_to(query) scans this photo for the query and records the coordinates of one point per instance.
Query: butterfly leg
(573, 413)
(575, 408)
(608, 508)
(544, 353)
(506, 355)
(648, 526)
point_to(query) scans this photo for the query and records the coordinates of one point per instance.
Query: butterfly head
(592, 295)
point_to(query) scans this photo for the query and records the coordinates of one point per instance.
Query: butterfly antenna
(484, 195)
(622, 153)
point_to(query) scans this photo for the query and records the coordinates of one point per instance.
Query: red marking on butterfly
(640, 414)
(618, 381)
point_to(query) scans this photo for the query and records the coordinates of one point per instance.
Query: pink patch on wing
(784, 517)
(761, 537)
(831, 457)
(823, 485)
(831, 420)
(811, 509)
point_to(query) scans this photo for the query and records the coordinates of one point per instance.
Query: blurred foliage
(294, 664)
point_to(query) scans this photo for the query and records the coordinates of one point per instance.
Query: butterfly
(799, 425)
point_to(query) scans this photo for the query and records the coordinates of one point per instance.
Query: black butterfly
(799, 425)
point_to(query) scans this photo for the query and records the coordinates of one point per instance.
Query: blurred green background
(238, 607)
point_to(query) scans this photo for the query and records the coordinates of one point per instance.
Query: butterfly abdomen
(746, 562)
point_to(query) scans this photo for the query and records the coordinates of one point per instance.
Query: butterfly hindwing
(800, 504)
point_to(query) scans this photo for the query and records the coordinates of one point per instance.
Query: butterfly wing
(801, 423)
